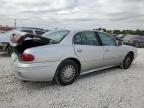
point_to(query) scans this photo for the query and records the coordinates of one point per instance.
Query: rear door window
(86, 38)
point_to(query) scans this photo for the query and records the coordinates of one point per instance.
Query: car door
(88, 49)
(113, 54)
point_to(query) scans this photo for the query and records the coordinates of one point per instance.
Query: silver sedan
(63, 55)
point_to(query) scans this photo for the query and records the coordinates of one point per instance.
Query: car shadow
(42, 84)
(36, 85)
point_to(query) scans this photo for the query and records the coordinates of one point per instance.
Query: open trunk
(22, 42)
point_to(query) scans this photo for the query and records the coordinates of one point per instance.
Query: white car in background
(5, 37)
(62, 55)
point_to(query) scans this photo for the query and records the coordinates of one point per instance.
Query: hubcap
(68, 73)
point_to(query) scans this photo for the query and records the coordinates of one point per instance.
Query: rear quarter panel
(51, 53)
(128, 49)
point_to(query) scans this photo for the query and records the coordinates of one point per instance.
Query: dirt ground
(110, 88)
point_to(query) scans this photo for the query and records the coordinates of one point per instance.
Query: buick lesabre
(63, 55)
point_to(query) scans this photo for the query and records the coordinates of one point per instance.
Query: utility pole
(15, 23)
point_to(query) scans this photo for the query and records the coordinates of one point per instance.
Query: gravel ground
(111, 88)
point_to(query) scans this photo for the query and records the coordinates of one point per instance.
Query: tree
(116, 32)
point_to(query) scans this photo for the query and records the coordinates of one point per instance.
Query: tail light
(26, 57)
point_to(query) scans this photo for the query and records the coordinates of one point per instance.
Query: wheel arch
(75, 60)
(55, 78)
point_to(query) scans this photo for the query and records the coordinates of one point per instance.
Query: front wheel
(127, 62)
(67, 72)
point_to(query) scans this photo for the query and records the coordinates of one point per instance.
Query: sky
(77, 14)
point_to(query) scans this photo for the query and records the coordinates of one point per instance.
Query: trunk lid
(21, 42)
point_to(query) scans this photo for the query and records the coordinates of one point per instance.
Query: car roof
(80, 30)
(73, 30)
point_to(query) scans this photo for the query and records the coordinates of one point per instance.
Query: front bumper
(34, 71)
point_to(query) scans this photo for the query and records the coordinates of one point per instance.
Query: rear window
(56, 36)
(86, 38)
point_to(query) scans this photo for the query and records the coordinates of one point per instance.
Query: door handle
(79, 50)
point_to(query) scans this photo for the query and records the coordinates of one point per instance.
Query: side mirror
(119, 42)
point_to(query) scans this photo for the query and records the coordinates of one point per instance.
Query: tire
(127, 62)
(9, 50)
(67, 72)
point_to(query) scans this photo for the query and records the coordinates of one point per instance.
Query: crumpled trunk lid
(21, 42)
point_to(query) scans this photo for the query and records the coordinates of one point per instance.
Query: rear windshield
(56, 36)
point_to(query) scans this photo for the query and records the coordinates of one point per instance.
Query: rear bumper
(35, 71)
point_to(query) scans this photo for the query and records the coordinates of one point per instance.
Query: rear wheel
(66, 73)
(9, 50)
(127, 62)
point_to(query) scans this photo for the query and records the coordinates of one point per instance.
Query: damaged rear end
(25, 62)
(22, 42)
(36, 58)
